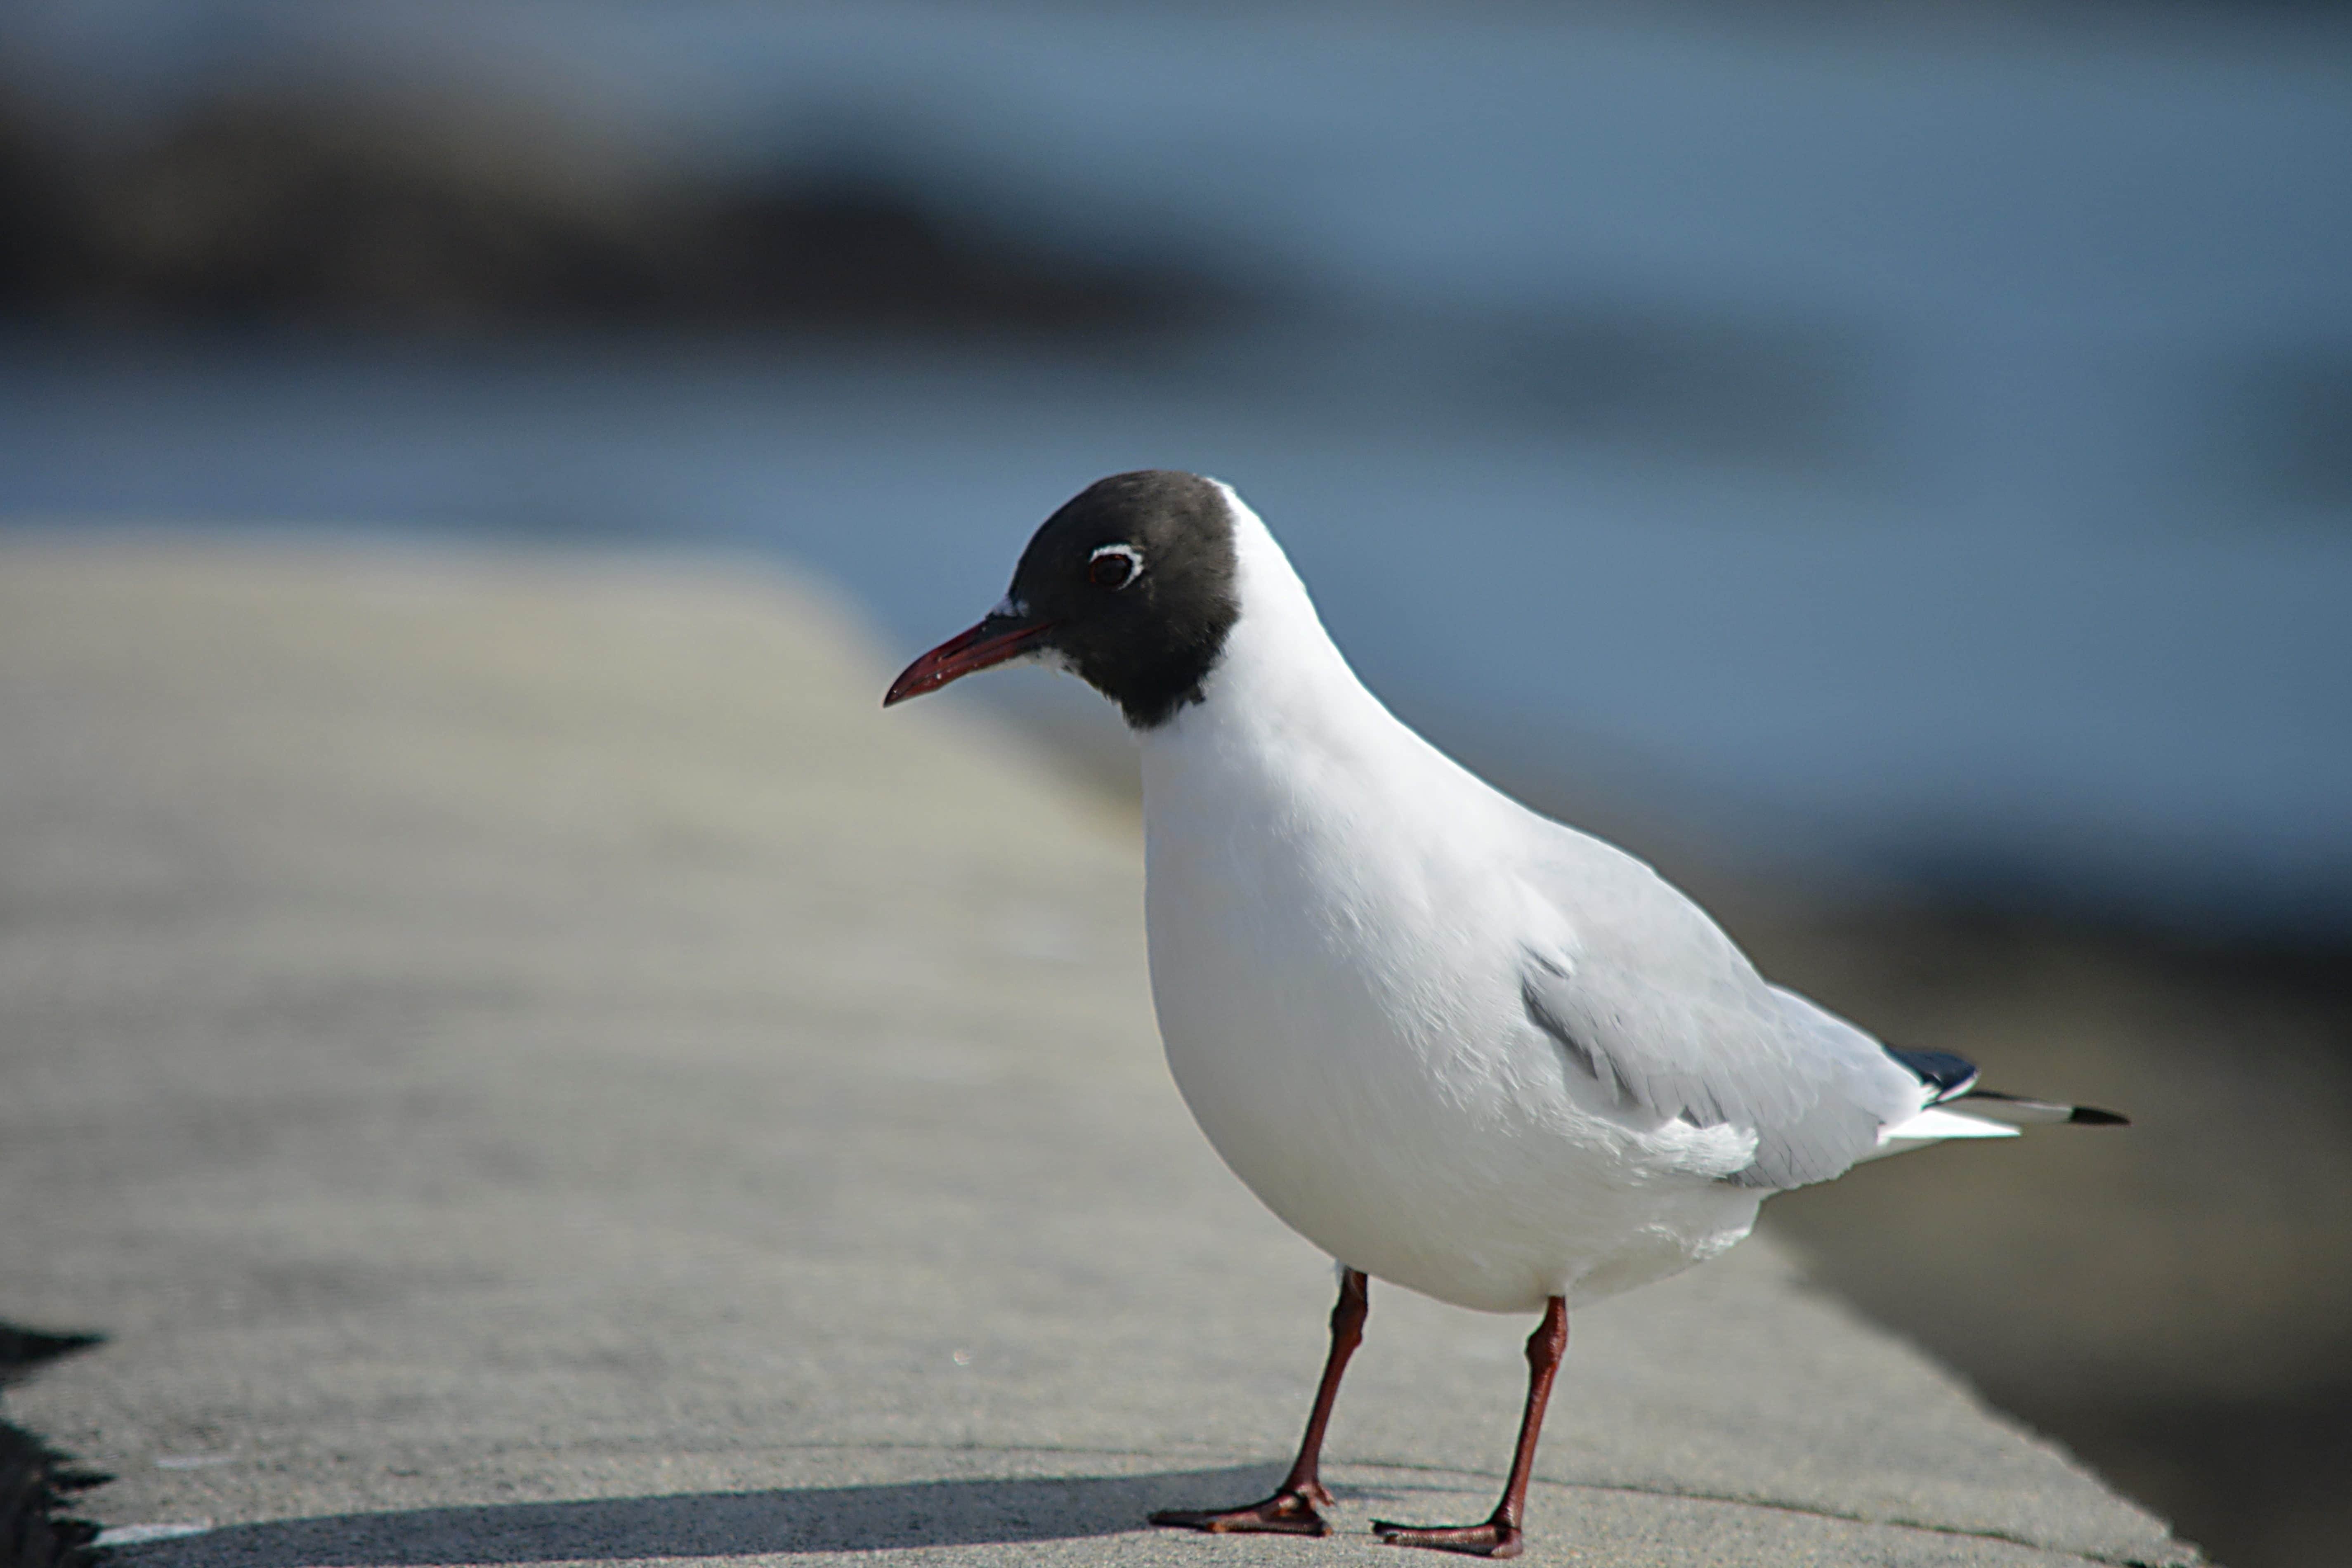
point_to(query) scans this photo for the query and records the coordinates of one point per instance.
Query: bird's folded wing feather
(1641, 990)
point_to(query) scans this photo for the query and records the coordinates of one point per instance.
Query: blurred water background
(1894, 469)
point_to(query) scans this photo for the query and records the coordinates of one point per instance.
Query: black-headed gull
(1458, 1045)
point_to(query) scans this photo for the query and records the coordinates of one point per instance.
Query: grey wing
(1641, 990)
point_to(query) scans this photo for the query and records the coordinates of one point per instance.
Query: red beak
(992, 642)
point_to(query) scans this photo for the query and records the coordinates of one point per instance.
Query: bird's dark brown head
(1131, 585)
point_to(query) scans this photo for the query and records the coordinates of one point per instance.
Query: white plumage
(1457, 1045)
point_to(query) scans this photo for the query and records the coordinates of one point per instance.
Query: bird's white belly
(1420, 1131)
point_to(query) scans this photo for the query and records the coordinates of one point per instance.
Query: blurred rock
(440, 217)
(40, 235)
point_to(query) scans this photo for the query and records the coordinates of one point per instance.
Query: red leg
(1499, 1535)
(1291, 1509)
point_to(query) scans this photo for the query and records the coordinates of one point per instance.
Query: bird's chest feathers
(1290, 930)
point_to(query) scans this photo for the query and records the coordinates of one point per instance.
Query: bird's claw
(1288, 1512)
(1492, 1539)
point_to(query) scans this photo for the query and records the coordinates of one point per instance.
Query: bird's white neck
(1281, 690)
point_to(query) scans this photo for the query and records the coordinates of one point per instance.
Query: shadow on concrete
(34, 1480)
(717, 1524)
(23, 1350)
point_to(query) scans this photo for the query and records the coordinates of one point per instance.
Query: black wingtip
(2092, 1116)
(1947, 1074)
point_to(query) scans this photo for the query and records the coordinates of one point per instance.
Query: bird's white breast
(1334, 941)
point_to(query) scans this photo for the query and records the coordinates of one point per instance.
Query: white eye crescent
(1113, 566)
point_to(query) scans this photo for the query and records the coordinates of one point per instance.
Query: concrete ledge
(526, 1064)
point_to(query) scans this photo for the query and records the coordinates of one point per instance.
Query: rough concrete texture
(530, 1065)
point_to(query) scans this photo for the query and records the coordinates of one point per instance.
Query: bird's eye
(1113, 566)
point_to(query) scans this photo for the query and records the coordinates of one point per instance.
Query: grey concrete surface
(530, 1065)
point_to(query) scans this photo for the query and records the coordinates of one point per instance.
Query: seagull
(1458, 1045)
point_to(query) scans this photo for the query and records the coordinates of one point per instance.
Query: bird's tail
(1952, 1106)
(2020, 1111)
